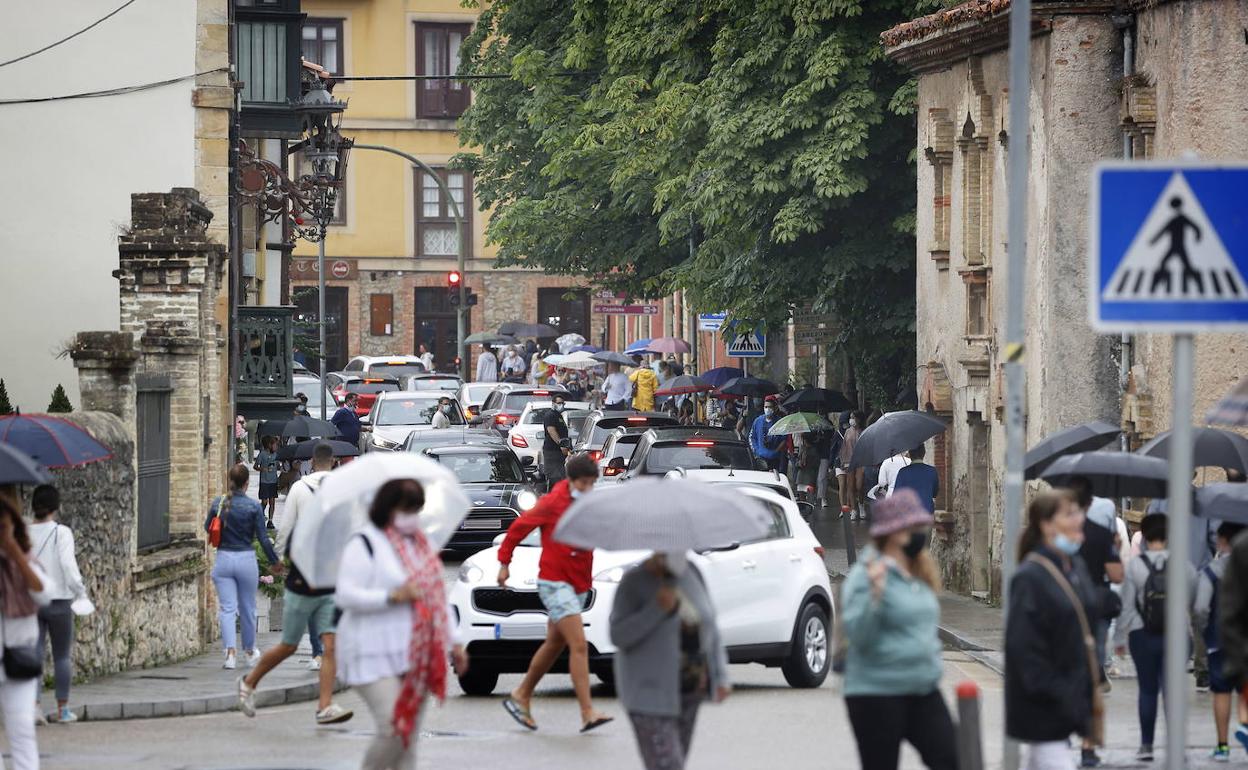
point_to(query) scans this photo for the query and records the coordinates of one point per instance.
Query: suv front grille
(502, 601)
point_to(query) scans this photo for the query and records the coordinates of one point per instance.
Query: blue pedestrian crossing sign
(1169, 247)
(746, 343)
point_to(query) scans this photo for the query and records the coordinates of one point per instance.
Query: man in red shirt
(563, 580)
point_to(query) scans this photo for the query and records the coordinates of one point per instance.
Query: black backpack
(1152, 601)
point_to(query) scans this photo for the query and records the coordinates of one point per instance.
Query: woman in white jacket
(21, 594)
(395, 629)
(54, 550)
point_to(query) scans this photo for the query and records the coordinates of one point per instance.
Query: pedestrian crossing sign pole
(1168, 252)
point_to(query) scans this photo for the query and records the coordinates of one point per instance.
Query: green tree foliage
(6, 406)
(60, 401)
(772, 132)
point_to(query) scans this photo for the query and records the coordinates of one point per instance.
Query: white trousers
(17, 703)
(386, 751)
(1053, 755)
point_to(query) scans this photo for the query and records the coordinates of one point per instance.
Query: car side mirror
(805, 508)
(476, 420)
(528, 462)
(617, 463)
(760, 464)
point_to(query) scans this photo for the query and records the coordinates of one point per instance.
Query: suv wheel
(478, 681)
(808, 660)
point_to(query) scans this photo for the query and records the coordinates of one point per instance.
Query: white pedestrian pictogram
(747, 342)
(1176, 254)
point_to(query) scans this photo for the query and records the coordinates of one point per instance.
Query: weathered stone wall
(148, 609)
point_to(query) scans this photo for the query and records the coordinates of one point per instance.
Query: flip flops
(599, 722)
(521, 715)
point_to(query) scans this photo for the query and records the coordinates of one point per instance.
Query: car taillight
(699, 443)
(609, 471)
(637, 419)
(595, 455)
(519, 441)
(819, 550)
(502, 419)
(541, 392)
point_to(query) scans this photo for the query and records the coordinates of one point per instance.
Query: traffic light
(453, 282)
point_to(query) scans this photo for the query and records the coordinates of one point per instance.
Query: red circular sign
(340, 269)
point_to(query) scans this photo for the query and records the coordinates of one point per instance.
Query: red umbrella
(685, 384)
(667, 345)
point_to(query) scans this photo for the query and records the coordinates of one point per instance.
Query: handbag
(1096, 726)
(21, 661)
(215, 526)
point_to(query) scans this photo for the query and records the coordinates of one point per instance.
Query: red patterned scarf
(427, 654)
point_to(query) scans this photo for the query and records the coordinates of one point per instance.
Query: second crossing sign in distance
(1169, 247)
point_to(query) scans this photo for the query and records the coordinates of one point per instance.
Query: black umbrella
(309, 427)
(303, 450)
(685, 383)
(893, 433)
(490, 338)
(1113, 474)
(1084, 437)
(1226, 501)
(612, 357)
(749, 386)
(817, 400)
(17, 467)
(1212, 447)
(522, 329)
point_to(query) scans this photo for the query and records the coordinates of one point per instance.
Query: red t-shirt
(559, 562)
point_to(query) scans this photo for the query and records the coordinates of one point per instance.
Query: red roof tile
(973, 10)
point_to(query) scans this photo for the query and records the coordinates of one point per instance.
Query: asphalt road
(765, 724)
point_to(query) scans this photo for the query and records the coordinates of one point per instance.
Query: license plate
(520, 631)
(483, 524)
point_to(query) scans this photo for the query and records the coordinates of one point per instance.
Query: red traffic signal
(453, 279)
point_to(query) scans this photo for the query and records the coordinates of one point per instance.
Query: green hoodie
(894, 648)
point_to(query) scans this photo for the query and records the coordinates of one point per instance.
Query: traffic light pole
(461, 348)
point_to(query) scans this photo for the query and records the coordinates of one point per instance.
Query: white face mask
(769, 410)
(407, 523)
(677, 562)
(558, 407)
(853, 423)
(446, 409)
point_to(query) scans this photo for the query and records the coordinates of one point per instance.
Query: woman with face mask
(1052, 679)
(669, 655)
(396, 628)
(893, 665)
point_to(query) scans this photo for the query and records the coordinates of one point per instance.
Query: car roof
(535, 405)
(308, 377)
(431, 395)
(467, 449)
(433, 376)
(627, 430)
(357, 376)
(528, 390)
(621, 413)
(684, 433)
(382, 359)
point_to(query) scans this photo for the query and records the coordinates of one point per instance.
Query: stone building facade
(1086, 102)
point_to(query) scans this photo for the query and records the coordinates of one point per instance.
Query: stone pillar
(171, 273)
(105, 363)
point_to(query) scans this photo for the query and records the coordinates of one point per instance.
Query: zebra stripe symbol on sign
(1176, 254)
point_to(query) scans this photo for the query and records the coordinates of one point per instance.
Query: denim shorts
(560, 600)
(298, 609)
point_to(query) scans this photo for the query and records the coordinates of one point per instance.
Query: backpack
(1152, 601)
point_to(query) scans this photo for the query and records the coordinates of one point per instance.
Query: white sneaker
(253, 658)
(231, 662)
(246, 697)
(314, 664)
(333, 714)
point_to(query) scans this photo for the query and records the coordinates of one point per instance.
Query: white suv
(389, 366)
(772, 595)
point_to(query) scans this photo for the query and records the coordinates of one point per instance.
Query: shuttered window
(437, 53)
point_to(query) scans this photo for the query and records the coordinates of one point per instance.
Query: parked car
(525, 438)
(396, 414)
(316, 393)
(460, 435)
(620, 443)
(667, 449)
(366, 386)
(445, 382)
(601, 422)
(390, 366)
(502, 407)
(773, 597)
(494, 482)
(473, 394)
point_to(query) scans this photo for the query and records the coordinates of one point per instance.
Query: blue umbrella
(720, 375)
(586, 349)
(637, 347)
(17, 467)
(52, 441)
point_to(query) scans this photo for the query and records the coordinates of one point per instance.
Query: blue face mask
(1066, 545)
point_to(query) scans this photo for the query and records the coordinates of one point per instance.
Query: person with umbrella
(303, 607)
(22, 583)
(53, 544)
(616, 389)
(347, 421)
(235, 572)
(893, 663)
(765, 446)
(1208, 621)
(565, 575)
(267, 465)
(487, 365)
(513, 366)
(663, 620)
(920, 477)
(396, 630)
(644, 383)
(851, 487)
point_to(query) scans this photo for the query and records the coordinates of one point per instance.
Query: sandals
(599, 722)
(520, 714)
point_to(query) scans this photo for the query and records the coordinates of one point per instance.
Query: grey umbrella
(17, 467)
(1226, 501)
(304, 449)
(1113, 474)
(611, 357)
(309, 427)
(1212, 447)
(663, 515)
(490, 338)
(893, 433)
(1084, 437)
(522, 329)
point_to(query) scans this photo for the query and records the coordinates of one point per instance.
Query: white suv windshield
(697, 454)
(411, 411)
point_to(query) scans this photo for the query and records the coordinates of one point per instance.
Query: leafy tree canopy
(773, 133)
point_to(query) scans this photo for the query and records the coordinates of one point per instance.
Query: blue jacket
(243, 523)
(348, 424)
(761, 443)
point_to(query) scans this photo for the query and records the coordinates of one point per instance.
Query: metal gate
(152, 415)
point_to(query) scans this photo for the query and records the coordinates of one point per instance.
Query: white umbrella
(663, 515)
(555, 359)
(342, 503)
(569, 341)
(580, 360)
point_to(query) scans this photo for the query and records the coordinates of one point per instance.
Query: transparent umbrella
(344, 499)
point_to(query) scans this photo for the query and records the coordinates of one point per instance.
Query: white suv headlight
(526, 500)
(613, 575)
(384, 444)
(470, 573)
